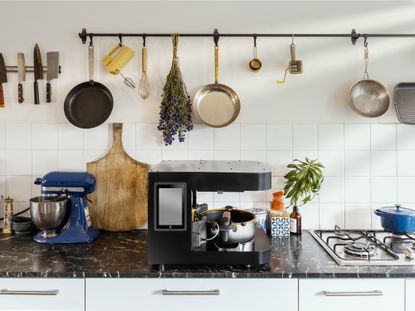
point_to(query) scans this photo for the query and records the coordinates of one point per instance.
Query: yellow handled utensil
(117, 58)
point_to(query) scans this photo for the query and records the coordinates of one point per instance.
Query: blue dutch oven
(397, 219)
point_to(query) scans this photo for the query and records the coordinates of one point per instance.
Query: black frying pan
(90, 103)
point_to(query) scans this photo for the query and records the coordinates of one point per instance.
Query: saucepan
(235, 225)
(397, 219)
(368, 97)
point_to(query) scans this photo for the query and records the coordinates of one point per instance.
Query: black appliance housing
(172, 192)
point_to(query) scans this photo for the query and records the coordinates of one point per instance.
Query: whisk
(144, 86)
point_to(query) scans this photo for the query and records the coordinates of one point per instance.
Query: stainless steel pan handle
(353, 293)
(52, 292)
(91, 58)
(213, 292)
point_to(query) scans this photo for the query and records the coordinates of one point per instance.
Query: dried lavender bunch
(175, 107)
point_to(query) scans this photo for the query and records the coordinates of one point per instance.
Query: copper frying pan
(216, 105)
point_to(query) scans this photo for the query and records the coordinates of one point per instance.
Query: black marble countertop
(116, 255)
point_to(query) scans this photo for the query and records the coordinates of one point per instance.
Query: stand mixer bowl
(48, 213)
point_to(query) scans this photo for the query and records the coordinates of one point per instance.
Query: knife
(52, 72)
(3, 79)
(38, 71)
(21, 74)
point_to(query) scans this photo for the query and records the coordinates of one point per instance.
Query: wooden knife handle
(1, 96)
(48, 93)
(36, 92)
(20, 93)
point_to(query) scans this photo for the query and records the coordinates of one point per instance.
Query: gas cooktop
(367, 247)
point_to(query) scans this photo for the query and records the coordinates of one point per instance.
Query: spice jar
(280, 221)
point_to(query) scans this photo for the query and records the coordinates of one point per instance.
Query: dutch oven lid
(396, 210)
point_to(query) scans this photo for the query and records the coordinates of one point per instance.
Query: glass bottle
(295, 221)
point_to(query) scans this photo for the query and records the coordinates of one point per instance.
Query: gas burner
(399, 243)
(367, 247)
(360, 249)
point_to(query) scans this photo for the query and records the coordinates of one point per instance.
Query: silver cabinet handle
(357, 293)
(53, 292)
(213, 292)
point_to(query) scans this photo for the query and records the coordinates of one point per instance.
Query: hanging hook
(120, 38)
(365, 42)
(90, 40)
(144, 40)
(255, 36)
(292, 39)
(216, 36)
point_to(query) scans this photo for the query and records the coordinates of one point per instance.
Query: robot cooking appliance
(76, 225)
(175, 236)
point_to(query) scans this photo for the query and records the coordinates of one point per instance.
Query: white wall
(368, 165)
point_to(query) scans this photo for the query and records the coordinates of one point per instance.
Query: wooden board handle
(117, 136)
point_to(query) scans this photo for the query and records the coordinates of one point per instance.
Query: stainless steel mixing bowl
(48, 213)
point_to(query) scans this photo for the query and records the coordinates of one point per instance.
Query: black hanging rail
(354, 36)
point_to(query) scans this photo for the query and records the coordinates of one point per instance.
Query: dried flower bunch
(175, 107)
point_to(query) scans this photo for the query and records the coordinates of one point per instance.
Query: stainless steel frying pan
(216, 105)
(368, 97)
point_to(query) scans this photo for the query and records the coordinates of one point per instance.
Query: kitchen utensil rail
(28, 69)
(354, 36)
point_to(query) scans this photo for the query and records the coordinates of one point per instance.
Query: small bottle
(295, 221)
(280, 222)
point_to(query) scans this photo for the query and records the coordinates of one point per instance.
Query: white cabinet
(352, 294)
(410, 295)
(42, 294)
(191, 294)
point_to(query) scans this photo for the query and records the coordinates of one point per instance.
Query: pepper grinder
(8, 214)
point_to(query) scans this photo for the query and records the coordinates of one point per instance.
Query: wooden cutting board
(119, 202)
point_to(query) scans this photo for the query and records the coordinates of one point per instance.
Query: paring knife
(38, 71)
(21, 75)
(52, 72)
(3, 79)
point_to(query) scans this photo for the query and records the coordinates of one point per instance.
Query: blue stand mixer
(61, 212)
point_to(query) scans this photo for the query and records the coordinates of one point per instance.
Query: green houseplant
(303, 183)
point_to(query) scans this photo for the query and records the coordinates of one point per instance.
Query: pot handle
(379, 212)
(216, 232)
(225, 225)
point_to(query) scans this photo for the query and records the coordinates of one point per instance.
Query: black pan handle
(48, 93)
(36, 93)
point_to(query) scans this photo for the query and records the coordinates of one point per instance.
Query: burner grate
(363, 247)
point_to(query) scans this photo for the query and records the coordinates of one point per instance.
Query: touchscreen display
(170, 206)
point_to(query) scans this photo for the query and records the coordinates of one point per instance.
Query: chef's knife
(3, 79)
(21, 74)
(52, 72)
(38, 71)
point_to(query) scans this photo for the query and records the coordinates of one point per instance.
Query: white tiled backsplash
(367, 165)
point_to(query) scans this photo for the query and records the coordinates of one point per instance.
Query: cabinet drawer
(351, 294)
(42, 294)
(191, 294)
(410, 297)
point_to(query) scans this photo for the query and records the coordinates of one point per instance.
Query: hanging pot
(368, 97)
(397, 219)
